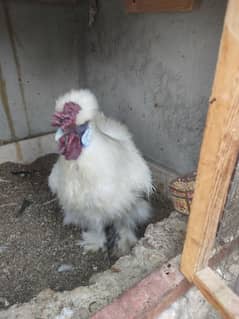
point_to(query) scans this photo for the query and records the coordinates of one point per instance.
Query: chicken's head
(73, 113)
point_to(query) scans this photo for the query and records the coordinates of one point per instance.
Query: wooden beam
(219, 150)
(157, 291)
(150, 296)
(217, 293)
(143, 6)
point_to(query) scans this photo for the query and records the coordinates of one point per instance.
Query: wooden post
(219, 295)
(146, 6)
(219, 150)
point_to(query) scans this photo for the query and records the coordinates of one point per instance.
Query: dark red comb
(66, 118)
(72, 108)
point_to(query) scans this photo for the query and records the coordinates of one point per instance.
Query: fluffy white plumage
(107, 183)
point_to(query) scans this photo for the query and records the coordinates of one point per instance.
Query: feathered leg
(126, 226)
(94, 238)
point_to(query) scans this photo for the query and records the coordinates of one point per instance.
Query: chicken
(100, 178)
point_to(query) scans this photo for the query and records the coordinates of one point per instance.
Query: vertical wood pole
(219, 150)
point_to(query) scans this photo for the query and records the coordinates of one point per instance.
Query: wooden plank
(157, 291)
(143, 6)
(217, 293)
(218, 152)
(174, 293)
(150, 296)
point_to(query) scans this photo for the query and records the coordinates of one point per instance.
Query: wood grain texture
(219, 150)
(217, 293)
(143, 6)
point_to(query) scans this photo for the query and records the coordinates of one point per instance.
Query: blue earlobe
(86, 137)
(59, 134)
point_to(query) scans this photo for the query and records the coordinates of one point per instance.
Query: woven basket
(181, 190)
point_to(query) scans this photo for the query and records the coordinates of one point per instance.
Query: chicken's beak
(59, 134)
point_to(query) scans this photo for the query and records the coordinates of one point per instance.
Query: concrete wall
(151, 71)
(154, 72)
(39, 60)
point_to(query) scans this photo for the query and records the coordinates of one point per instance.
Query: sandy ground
(36, 250)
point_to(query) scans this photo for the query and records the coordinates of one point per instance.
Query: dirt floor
(36, 250)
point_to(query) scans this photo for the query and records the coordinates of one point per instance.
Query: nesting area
(36, 250)
(71, 73)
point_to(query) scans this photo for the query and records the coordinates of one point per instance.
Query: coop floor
(36, 250)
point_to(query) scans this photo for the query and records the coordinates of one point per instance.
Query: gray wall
(39, 60)
(154, 72)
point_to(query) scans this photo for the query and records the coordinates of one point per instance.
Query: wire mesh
(228, 234)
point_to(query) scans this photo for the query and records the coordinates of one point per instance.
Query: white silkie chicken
(100, 177)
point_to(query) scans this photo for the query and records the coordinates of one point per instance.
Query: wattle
(70, 146)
